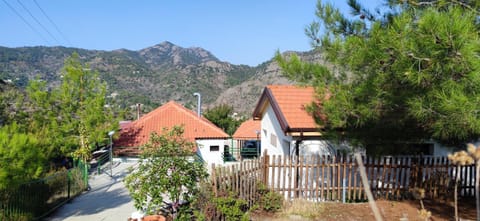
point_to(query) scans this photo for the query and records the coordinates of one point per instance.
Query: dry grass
(303, 208)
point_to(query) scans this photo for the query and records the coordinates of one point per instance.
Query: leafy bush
(226, 206)
(203, 206)
(232, 208)
(270, 201)
(166, 169)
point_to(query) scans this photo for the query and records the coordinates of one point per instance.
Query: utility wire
(26, 22)
(53, 23)
(38, 22)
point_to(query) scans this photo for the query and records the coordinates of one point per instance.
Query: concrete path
(107, 200)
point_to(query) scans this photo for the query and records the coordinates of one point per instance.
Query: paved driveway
(108, 199)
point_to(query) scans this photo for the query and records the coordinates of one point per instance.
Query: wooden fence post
(214, 180)
(265, 166)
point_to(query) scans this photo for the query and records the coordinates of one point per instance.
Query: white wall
(270, 126)
(317, 147)
(203, 146)
(286, 144)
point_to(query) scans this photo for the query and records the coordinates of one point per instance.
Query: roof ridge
(288, 86)
(289, 110)
(182, 108)
(202, 119)
(153, 112)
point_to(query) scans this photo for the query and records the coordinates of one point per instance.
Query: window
(214, 148)
(273, 140)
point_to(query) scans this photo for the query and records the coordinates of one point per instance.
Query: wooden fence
(337, 178)
(241, 178)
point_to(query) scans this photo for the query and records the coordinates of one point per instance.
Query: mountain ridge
(151, 75)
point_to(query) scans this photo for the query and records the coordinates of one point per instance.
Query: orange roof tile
(247, 130)
(288, 103)
(168, 115)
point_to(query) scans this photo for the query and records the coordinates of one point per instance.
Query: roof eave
(259, 110)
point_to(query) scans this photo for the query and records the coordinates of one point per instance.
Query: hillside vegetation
(151, 76)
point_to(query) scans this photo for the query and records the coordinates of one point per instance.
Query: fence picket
(330, 179)
(321, 178)
(289, 192)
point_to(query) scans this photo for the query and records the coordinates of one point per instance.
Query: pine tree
(20, 161)
(407, 73)
(73, 117)
(222, 116)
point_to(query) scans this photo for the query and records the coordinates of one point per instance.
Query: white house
(209, 139)
(286, 125)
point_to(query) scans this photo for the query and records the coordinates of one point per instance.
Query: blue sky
(240, 32)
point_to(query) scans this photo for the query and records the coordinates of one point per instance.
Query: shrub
(270, 201)
(232, 208)
(226, 206)
(167, 168)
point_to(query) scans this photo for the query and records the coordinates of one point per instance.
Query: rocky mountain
(153, 75)
(266, 73)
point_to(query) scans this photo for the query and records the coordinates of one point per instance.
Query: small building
(248, 131)
(286, 126)
(210, 140)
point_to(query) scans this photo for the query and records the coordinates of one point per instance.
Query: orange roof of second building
(289, 103)
(249, 129)
(166, 116)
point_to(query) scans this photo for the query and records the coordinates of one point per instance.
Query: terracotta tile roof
(125, 124)
(288, 103)
(168, 115)
(247, 130)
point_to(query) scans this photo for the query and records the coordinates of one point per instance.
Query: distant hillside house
(286, 126)
(209, 139)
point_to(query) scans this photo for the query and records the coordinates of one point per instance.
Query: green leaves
(51, 122)
(222, 117)
(72, 117)
(19, 162)
(413, 73)
(168, 169)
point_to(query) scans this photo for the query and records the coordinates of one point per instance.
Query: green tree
(406, 73)
(20, 161)
(73, 117)
(51, 122)
(12, 102)
(42, 121)
(168, 168)
(82, 103)
(222, 116)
